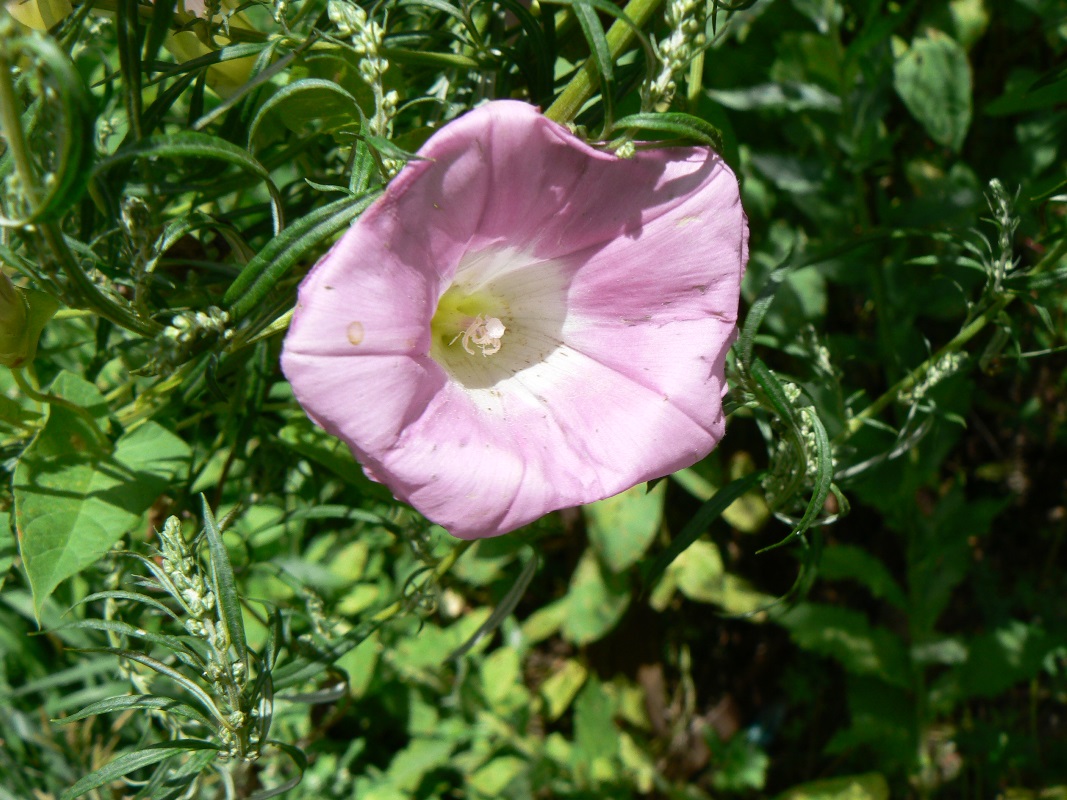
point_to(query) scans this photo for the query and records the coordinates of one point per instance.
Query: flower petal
(615, 282)
(485, 461)
(367, 401)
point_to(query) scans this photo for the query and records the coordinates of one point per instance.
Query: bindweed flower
(523, 323)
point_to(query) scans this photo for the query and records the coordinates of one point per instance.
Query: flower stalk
(685, 20)
(916, 376)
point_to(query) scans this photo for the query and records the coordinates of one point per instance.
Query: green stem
(585, 80)
(55, 400)
(969, 331)
(11, 125)
(910, 380)
(88, 291)
(442, 568)
(695, 82)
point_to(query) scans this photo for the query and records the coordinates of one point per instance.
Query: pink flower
(523, 323)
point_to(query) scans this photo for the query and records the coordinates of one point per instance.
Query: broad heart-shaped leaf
(933, 78)
(622, 527)
(72, 500)
(595, 601)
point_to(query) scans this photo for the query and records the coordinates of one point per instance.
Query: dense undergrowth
(205, 597)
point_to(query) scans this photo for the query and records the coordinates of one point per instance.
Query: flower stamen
(485, 333)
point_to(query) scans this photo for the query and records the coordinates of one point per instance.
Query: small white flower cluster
(184, 572)
(794, 461)
(178, 341)
(188, 326)
(949, 364)
(1001, 204)
(281, 8)
(227, 675)
(367, 36)
(686, 19)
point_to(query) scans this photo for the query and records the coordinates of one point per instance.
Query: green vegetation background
(897, 421)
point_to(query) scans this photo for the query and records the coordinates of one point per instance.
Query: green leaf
(8, 548)
(676, 124)
(846, 636)
(870, 786)
(493, 779)
(1013, 653)
(129, 34)
(775, 393)
(194, 145)
(438, 5)
(129, 762)
(73, 502)
(224, 585)
(562, 686)
(127, 702)
(824, 472)
(503, 609)
(622, 527)
(419, 757)
(933, 78)
(758, 310)
(595, 602)
(700, 573)
(789, 96)
(136, 597)
(298, 758)
(845, 561)
(1028, 281)
(311, 99)
(694, 529)
(284, 251)
(168, 672)
(595, 734)
(599, 50)
(175, 644)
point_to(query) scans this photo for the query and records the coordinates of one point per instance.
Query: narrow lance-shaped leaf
(599, 52)
(129, 762)
(190, 144)
(224, 585)
(173, 643)
(708, 513)
(677, 124)
(758, 310)
(174, 675)
(325, 91)
(301, 762)
(506, 605)
(284, 251)
(135, 701)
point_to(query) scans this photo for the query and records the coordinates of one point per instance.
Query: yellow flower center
(470, 319)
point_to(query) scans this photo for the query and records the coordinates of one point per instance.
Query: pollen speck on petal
(541, 324)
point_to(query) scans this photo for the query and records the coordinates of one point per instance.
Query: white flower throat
(484, 333)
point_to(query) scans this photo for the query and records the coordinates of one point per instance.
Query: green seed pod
(23, 315)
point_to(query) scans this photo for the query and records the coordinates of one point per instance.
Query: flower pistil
(485, 332)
